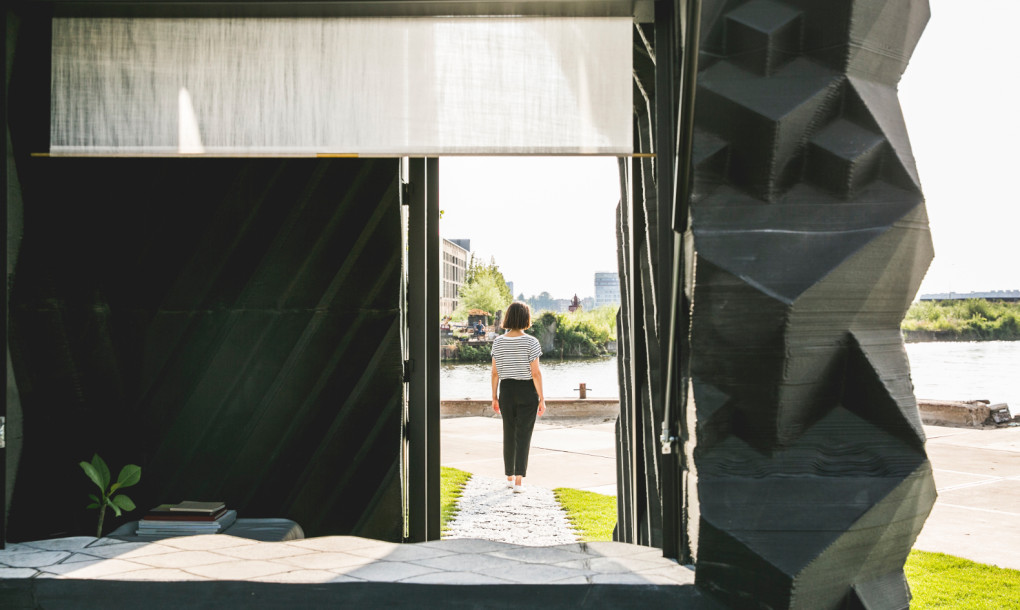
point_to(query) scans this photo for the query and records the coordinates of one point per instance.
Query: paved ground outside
(977, 474)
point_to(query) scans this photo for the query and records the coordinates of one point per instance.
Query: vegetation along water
(962, 320)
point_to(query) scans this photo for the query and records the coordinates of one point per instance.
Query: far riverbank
(962, 320)
(940, 371)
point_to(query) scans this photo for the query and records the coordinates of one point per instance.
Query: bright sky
(550, 222)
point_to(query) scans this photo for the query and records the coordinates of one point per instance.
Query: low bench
(266, 530)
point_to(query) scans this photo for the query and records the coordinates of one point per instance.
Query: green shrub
(579, 334)
(967, 320)
(474, 353)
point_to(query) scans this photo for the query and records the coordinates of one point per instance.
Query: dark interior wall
(232, 326)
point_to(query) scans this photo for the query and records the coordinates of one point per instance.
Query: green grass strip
(944, 581)
(451, 484)
(592, 514)
(937, 581)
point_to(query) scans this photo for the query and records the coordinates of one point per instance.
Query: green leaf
(129, 475)
(90, 470)
(123, 502)
(94, 498)
(116, 509)
(102, 469)
(93, 505)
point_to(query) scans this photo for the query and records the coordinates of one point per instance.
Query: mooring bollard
(583, 389)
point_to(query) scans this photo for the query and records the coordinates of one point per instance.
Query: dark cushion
(266, 530)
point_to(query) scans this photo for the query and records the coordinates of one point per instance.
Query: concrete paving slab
(976, 534)
(106, 568)
(1002, 495)
(573, 547)
(569, 439)
(73, 543)
(390, 571)
(180, 559)
(624, 578)
(161, 575)
(79, 557)
(268, 550)
(304, 576)
(332, 543)
(615, 549)
(407, 552)
(206, 542)
(379, 550)
(32, 559)
(128, 550)
(539, 555)
(561, 469)
(997, 439)
(239, 570)
(17, 572)
(456, 578)
(468, 545)
(466, 562)
(682, 576)
(532, 573)
(572, 580)
(973, 460)
(17, 547)
(951, 479)
(326, 560)
(67, 568)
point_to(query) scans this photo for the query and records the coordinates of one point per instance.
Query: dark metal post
(432, 355)
(635, 309)
(8, 16)
(417, 400)
(665, 142)
(674, 396)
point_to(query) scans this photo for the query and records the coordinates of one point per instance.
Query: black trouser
(518, 403)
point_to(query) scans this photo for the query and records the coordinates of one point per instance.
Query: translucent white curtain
(389, 86)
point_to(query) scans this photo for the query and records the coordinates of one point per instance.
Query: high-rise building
(454, 254)
(607, 289)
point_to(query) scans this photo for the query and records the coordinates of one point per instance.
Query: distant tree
(477, 269)
(484, 288)
(544, 302)
(521, 298)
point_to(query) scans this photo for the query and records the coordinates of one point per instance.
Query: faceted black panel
(232, 326)
(809, 239)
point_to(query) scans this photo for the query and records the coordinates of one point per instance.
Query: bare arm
(495, 385)
(536, 376)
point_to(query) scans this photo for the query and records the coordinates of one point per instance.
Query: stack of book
(187, 519)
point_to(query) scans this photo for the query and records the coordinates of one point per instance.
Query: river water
(944, 371)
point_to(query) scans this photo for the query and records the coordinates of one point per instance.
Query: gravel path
(488, 510)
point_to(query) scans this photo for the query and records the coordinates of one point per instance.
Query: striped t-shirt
(513, 355)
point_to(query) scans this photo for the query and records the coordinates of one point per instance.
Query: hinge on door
(3, 432)
(407, 189)
(408, 369)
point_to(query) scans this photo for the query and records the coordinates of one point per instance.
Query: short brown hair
(518, 316)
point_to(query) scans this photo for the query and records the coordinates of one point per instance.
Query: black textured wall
(805, 478)
(230, 325)
(811, 239)
(639, 360)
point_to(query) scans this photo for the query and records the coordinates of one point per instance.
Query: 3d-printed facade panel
(810, 240)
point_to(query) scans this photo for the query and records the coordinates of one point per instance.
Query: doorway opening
(541, 230)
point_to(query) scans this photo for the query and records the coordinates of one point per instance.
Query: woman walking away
(515, 372)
